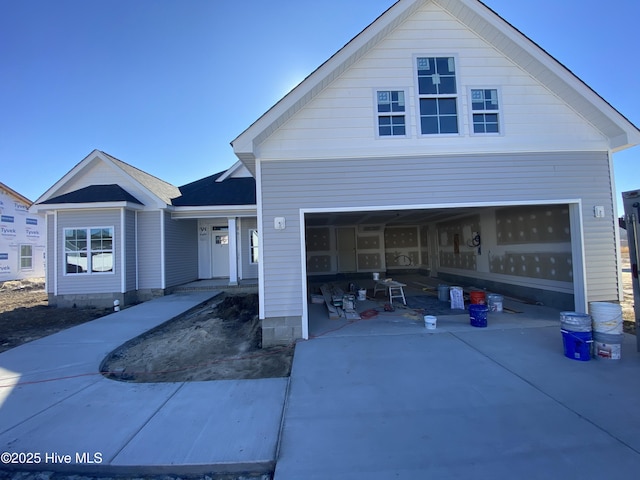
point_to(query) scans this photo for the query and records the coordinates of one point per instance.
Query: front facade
(441, 140)
(116, 233)
(22, 238)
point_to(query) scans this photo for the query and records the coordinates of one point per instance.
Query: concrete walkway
(58, 410)
(460, 402)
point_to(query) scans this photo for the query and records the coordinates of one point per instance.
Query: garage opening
(529, 252)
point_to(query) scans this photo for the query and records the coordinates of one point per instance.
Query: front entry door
(220, 252)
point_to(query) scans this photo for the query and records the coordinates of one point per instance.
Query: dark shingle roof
(95, 194)
(163, 190)
(206, 191)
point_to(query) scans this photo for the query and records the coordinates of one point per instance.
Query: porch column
(233, 252)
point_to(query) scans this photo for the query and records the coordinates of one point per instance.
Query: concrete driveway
(495, 403)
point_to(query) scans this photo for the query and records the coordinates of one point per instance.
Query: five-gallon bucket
(607, 346)
(478, 315)
(576, 322)
(362, 294)
(443, 293)
(577, 345)
(607, 317)
(495, 301)
(477, 297)
(430, 322)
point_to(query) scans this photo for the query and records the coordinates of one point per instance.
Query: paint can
(430, 322)
(376, 276)
(443, 293)
(606, 317)
(478, 315)
(477, 297)
(362, 294)
(607, 346)
(495, 302)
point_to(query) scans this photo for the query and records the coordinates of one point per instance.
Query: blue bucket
(577, 345)
(478, 315)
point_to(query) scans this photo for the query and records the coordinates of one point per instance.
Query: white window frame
(254, 248)
(499, 112)
(456, 96)
(21, 256)
(89, 251)
(405, 114)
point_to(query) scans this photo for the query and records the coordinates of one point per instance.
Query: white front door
(220, 252)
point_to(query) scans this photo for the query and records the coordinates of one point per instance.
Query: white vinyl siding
(149, 253)
(181, 247)
(289, 186)
(338, 122)
(131, 262)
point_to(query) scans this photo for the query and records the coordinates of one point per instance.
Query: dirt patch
(25, 314)
(220, 340)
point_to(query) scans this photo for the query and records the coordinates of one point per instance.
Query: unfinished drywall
(402, 249)
(533, 241)
(320, 251)
(458, 242)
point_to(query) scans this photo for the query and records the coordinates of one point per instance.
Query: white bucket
(362, 294)
(607, 346)
(457, 298)
(376, 276)
(494, 301)
(575, 321)
(430, 322)
(607, 317)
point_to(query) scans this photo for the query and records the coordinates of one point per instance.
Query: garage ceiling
(387, 217)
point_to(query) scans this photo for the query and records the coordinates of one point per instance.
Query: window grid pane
(391, 101)
(437, 88)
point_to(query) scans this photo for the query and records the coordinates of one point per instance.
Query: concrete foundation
(281, 330)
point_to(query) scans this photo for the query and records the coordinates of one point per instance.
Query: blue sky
(166, 85)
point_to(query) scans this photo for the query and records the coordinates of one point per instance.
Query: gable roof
(163, 190)
(95, 194)
(156, 188)
(210, 191)
(485, 23)
(15, 194)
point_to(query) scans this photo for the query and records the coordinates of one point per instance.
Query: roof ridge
(111, 157)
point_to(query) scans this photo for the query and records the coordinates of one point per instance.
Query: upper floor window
(438, 95)
(485, 110)
(391, 113)
(88, 250)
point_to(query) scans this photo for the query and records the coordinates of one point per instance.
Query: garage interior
(520, 252)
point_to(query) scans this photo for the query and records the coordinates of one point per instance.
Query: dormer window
(438, 95)
(391, 113)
